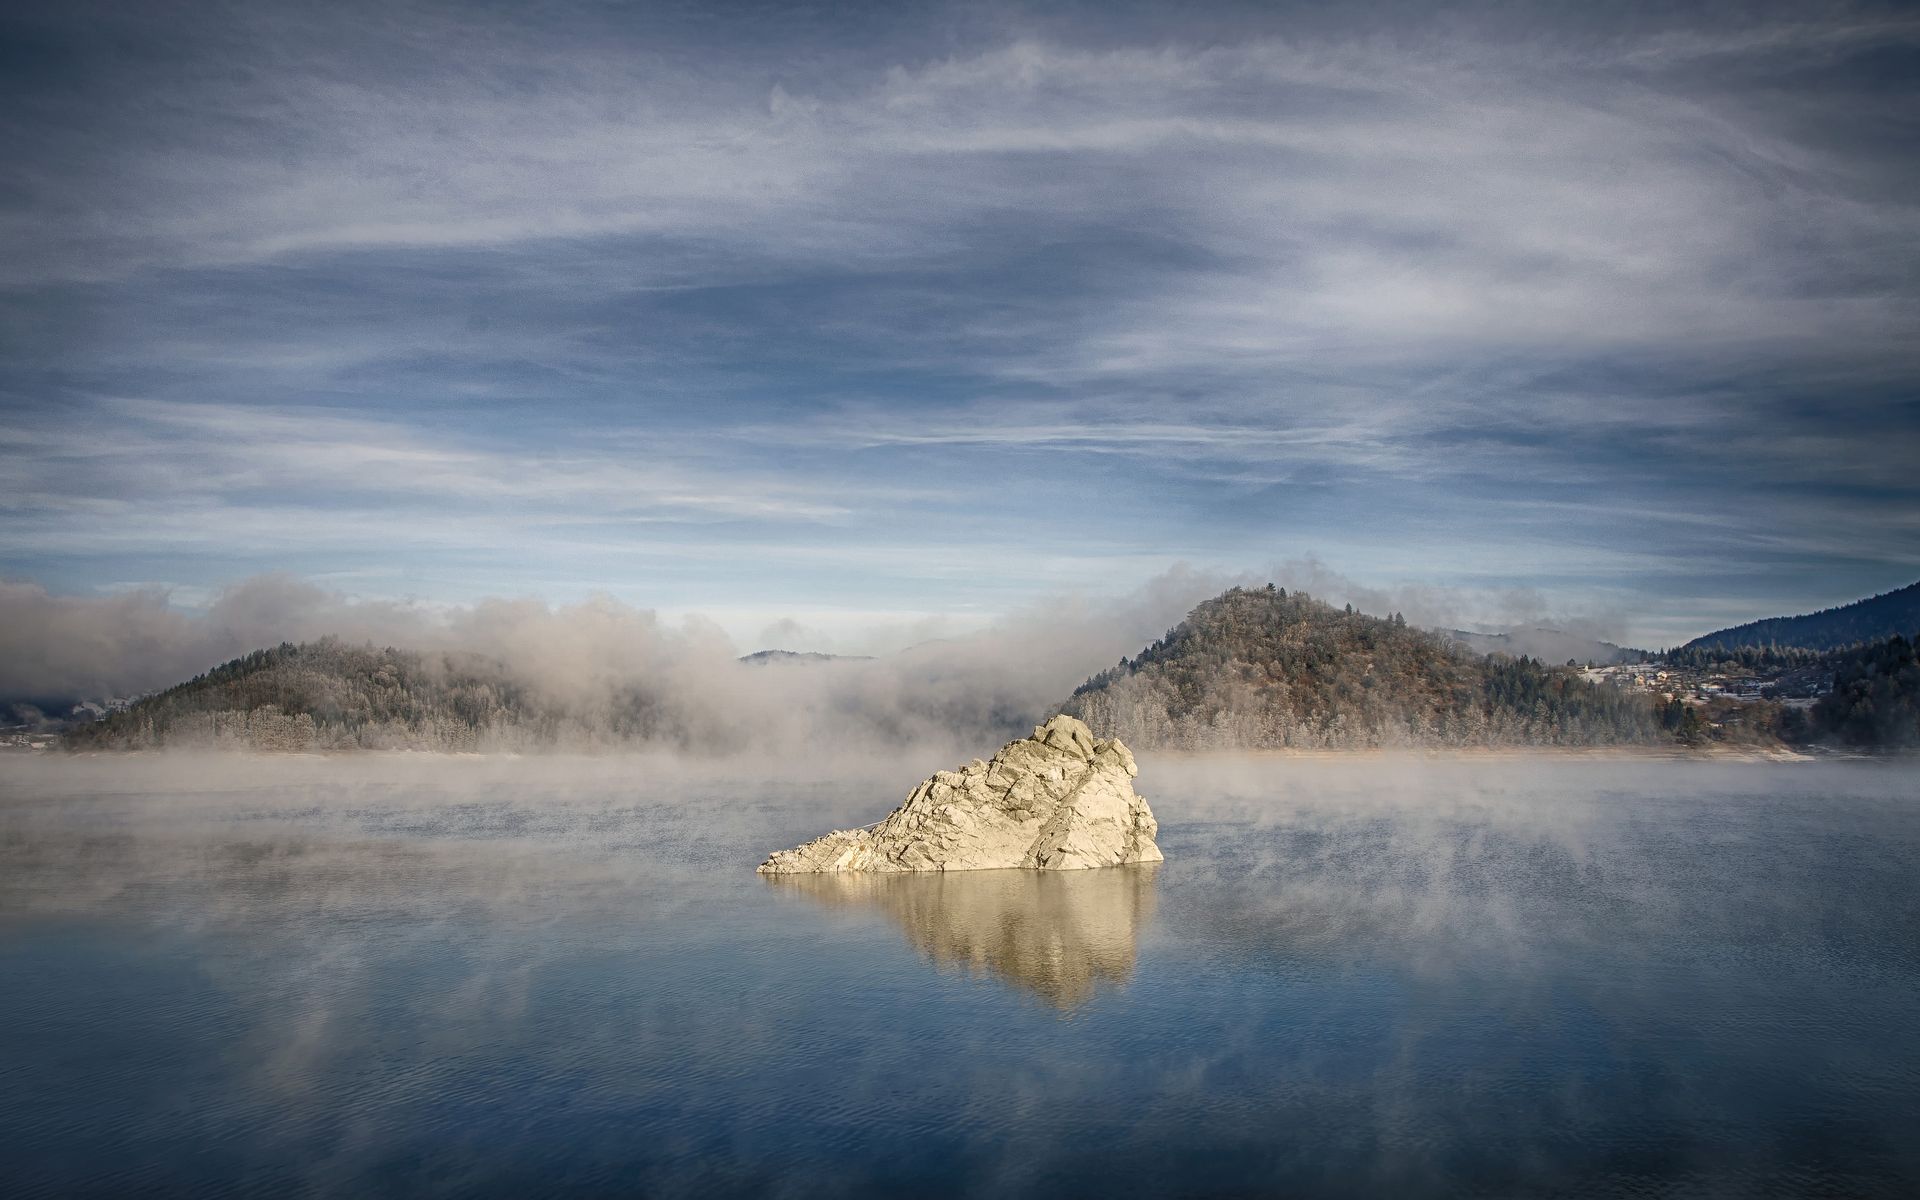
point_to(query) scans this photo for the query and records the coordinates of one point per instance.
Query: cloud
(935, 319)
(250, 449)
(55, 647)
(134, 641)
(1382, 198)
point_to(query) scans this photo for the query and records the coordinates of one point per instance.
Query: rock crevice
(1059, 800)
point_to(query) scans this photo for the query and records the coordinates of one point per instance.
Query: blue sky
(877, 318)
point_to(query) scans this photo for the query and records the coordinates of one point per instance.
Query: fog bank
(598, 658)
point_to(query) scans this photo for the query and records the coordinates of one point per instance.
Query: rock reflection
(1058, 934)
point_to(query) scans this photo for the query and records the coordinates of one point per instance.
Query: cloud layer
(937, 311)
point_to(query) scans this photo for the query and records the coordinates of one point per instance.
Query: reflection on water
(1059, 934)
(494, 978)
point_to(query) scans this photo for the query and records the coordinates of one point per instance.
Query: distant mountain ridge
(761, 658)
(1260, 669)
(1549, 645)
(1875, 619)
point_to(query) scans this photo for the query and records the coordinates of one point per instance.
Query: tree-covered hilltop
(328, 695)
(1264, 669)
(1873, 620)
(1875, 701)
(319, 695)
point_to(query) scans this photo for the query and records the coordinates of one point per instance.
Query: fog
(1302, 860)
(139, 640)
(593, 657)
(601, 657)
(1424, 822)
(1390, 958)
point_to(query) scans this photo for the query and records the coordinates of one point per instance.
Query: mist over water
(1352, 976)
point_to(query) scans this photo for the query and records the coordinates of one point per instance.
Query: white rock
(1060, 800)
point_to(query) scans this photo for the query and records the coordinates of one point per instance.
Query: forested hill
(328, 695)
(1264, 669)
(1875, 701)
(1875, 619)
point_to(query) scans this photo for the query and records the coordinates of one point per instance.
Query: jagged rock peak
(1059, 800)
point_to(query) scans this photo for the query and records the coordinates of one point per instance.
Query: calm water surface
(514, 977)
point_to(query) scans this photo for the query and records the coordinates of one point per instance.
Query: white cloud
(174, 454)
(1366, 196)
(1145, 285)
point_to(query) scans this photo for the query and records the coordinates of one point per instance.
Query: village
(1791, 687)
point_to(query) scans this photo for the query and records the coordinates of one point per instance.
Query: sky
(840, 324)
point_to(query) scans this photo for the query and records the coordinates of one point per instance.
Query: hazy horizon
(138, 640)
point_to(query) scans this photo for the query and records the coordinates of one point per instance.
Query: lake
(469, 976)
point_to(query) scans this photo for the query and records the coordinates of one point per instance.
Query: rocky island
(1059, 800)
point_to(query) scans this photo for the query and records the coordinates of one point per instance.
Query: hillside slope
(1265, 669)
(1875, 619)
(1875, 701)
(329, 695)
